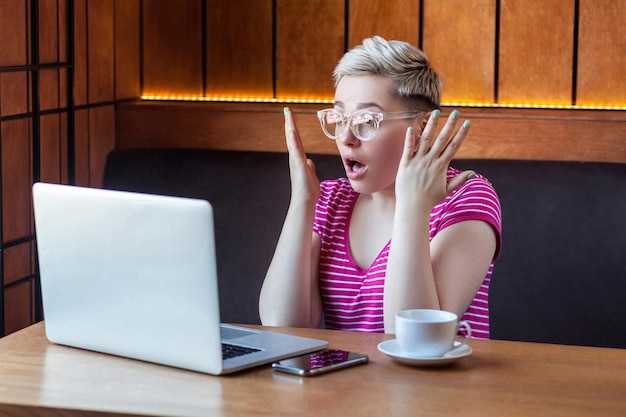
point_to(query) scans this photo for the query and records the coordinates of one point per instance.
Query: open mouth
(356, 165)
(354, 168)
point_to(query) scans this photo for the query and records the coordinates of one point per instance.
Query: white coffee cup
(428, 333)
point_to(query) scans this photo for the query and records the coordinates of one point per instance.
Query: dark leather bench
(561, 277)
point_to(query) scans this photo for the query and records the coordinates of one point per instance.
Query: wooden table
(499, 379)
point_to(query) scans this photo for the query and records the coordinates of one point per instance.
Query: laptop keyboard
(232, 351)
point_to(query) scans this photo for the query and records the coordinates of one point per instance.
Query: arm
(444, 273)
(290, 293)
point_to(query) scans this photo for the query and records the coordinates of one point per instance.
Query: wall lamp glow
(330, 101)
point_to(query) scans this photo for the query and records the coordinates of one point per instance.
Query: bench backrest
(561, 277)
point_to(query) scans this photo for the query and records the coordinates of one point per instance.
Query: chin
(362, 187)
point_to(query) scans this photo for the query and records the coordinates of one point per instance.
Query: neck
(380, 201)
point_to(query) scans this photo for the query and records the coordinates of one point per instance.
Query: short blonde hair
(415, 80)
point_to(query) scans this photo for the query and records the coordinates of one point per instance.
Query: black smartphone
(320, 362)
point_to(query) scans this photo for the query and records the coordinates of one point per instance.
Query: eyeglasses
(363, 123)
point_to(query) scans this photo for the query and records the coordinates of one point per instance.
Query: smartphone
(320, 362)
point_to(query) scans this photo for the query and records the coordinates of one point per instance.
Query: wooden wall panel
(100, 47)
(127, 49)
(239, 49)
(48, 31)
(172, 47)
(18, 306)
(13, 93)
(559, 135)
(50, 148)
(255, 127)
(13, 32)
(531, 64)
(19, 296)
(309, 42)
(101, 27)
(64, 147)
(602, 53)
(391, 19)
(80, 52)
(495, 133)
(459, 40)
(81, 147)
(62, 27)
(15, 164)
(49, 89)
(535, 64)
(18, 262)
(63, 87)
(16, 178)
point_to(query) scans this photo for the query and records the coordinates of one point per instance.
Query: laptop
(134, 275)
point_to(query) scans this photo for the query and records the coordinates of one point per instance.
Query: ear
(422, 121)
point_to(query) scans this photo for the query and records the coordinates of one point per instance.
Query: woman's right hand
(305, 185)
(290, 294)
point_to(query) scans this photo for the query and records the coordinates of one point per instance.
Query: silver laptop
(134, 275)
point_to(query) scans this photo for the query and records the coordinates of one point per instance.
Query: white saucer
(392, 349)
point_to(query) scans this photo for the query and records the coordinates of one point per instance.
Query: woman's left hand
(421, 177)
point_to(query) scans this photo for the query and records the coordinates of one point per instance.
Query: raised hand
(421, 177)
(305, 185)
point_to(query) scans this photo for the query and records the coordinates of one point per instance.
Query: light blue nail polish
(466, 124)
(455, 114)
(285, 110)
(410, 130)
(435, 114)
(471, 175)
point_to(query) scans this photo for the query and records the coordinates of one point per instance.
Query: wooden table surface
(500, 378)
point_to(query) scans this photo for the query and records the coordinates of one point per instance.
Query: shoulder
(338, 189)
(333, 206)
(339, 183)
(476, 199)
(477, 188)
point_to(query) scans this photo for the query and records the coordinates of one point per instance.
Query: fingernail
(471, 175)
(466, 124)
(455, 114)
(435, 114)
(285, 110)
(410, 130)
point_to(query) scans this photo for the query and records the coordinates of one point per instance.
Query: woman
(403, 230)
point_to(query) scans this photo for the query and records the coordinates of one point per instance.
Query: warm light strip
(330, 101)
(237, 99)
(533, 106)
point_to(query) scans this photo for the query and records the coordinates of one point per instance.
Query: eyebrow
(360, 105)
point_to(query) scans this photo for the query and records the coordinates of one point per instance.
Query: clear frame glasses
(363, 123)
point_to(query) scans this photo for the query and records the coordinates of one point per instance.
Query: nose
(347, 137)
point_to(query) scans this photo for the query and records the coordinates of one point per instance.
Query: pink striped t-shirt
(353, 297)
